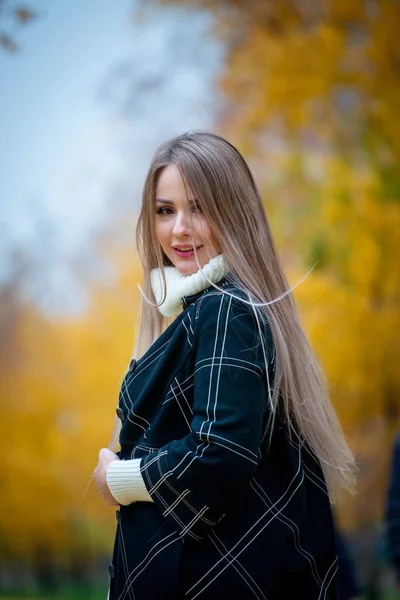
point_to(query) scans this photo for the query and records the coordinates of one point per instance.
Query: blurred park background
(309, 91)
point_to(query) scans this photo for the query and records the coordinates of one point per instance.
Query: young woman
(231, 452)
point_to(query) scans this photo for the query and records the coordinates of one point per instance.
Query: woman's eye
(164, 210)
(197, 208)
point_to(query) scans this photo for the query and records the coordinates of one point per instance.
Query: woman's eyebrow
(164, 201)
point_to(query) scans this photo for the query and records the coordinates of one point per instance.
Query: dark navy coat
(393, 510)
(235, 514)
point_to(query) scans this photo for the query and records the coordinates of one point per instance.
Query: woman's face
(176, 235)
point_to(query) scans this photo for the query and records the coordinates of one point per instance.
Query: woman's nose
(181, 224)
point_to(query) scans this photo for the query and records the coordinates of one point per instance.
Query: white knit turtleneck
(179, 285)
(124, 478)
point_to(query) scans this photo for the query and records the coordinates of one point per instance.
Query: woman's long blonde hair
(221, 182)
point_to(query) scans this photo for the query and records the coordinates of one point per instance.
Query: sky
(83, 105)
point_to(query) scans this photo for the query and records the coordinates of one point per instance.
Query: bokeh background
(309, 91)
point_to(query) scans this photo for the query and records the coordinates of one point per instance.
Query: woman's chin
(187, 267)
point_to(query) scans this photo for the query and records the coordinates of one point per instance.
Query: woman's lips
(185, 253)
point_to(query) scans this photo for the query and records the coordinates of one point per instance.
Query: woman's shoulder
(227, 322)
(231, 305)
(229, 296)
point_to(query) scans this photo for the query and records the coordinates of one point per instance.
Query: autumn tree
(310, 95)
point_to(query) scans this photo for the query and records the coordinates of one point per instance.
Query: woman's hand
(105, 457)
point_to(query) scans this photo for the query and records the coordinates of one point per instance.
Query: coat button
(120, 414)
(111, 570)
(132, 365)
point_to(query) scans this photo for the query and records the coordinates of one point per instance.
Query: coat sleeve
(193, 480)
(393, 510)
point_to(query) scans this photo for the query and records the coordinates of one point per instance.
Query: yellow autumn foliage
(58, 397)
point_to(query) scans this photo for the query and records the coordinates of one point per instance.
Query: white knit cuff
(126, 482)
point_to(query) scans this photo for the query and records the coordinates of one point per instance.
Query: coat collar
(187, 300)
